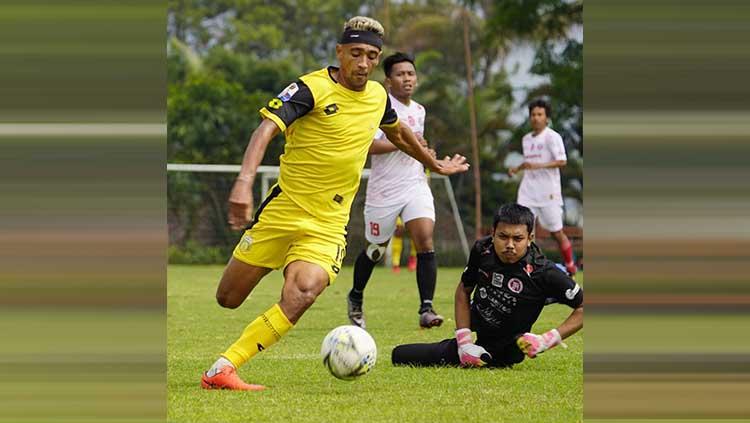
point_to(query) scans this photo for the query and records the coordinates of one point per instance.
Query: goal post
(197, 195)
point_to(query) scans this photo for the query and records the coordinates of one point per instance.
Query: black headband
(366, 37)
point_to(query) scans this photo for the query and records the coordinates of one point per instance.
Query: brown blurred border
(667, 200)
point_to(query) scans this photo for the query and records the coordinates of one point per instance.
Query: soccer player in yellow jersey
(329, 118)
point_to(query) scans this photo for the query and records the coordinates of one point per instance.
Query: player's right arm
(462, 306)
(469, 354)
(291, 104)
(241, 197)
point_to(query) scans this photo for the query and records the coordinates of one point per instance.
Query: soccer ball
(348, 352)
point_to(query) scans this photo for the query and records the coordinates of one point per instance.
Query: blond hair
(363, 23)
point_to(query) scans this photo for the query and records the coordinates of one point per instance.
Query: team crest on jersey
(571, 293)
(497, 279)
(515, 285)
(288, 92)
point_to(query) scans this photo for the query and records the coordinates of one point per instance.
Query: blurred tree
(306, 31)
(547, 25)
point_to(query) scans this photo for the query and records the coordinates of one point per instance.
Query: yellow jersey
(328, 130)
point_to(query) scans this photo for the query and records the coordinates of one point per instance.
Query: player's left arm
(405, 140)
(556, 147)
(566, 291)
(381, 145)
(548, 165)
(572, 324)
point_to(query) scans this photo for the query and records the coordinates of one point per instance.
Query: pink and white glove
(533, 345)
(470, 354)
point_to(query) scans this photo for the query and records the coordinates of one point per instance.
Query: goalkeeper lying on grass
(512, 281)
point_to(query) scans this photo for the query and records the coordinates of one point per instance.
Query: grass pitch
(300, 389)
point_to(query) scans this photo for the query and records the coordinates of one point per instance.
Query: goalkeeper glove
(470, 354)
(533, 345)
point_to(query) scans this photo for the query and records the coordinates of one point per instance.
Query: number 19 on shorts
(374, 229)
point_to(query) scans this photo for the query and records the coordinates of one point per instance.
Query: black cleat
(429, 318)
(356, 315)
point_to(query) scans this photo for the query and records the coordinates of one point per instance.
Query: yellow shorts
(283, 232)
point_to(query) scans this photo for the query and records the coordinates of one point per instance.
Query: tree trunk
(473, 123)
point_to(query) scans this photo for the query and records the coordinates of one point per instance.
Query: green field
(547, 389)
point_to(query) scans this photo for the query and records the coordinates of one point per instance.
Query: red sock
(567, 251)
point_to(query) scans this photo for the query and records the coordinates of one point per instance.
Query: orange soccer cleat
(227, 378)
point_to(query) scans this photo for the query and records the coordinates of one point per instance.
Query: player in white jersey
(540, 190)
(398, 186)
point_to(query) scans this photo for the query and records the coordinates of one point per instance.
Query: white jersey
(394, 175)
(541, 187)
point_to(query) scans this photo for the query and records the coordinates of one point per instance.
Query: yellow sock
(260, 334)
(413, 251)
(396, 244)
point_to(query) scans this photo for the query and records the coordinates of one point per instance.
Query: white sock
(221, 362)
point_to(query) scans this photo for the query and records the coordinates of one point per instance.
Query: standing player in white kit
(540, 190)
(398, 186)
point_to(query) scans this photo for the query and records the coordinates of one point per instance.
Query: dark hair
(514, 214)
(540, 103)
(394, 58)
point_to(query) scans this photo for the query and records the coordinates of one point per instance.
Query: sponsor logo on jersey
(515, 285)
(497, 279)
(571, 293)
(288, 92)
(482, 293)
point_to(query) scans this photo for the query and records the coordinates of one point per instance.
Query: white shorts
(550, 217)
(380, 222)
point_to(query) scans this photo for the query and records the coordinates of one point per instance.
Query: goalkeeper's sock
(426, 277)
(263, 332)
(362, 271)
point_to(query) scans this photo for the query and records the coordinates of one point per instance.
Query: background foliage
(227, 58)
